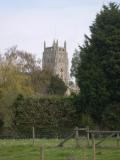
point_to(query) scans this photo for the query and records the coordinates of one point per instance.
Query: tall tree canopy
(98, 73)
(56, 86)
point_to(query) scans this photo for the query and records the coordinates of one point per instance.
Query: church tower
(55, 59)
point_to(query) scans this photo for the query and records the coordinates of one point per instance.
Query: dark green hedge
(51, 116)
(56, 117)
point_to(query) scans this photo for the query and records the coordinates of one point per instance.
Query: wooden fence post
(94, 150)
(92, 136)
(77, 137)
(84, 154)
(42, 153)
(88, 136)
(118, 140)
(33, 134)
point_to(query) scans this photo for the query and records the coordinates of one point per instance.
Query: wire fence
(75, 146)
(38, 132)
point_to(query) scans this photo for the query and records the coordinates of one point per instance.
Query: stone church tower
(55, 59)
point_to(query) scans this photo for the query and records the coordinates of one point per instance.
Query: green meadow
(25, 150)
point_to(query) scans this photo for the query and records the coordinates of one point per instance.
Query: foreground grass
(24, 150)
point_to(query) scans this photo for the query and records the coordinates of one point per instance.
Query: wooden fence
(90, 136)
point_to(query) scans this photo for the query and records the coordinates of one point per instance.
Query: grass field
(24, 150)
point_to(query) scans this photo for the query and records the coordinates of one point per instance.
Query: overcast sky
(27, 23)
